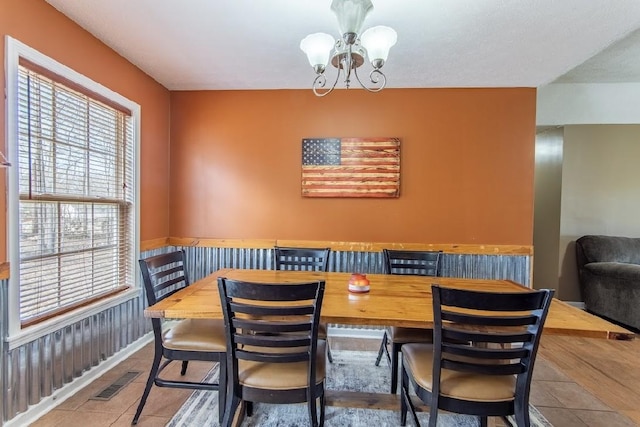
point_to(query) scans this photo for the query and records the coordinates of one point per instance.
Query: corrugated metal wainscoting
(33, 371)
(203, 261)
(4, 285)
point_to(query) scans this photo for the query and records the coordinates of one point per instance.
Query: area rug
(352, 371)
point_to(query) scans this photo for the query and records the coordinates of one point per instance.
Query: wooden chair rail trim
(4, 271)
(354, 246)
(148, 245)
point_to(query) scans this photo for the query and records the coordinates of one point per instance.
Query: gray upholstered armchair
(609, 272)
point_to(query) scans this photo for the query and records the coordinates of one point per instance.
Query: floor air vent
(116, 386)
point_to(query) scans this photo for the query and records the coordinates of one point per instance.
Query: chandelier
(349, 52)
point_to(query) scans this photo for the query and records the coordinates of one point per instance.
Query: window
(76, 237)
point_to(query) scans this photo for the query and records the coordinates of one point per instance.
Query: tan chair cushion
(196, 335)
(281, 376)
(407, 335)
(322, 331)
(418, 358)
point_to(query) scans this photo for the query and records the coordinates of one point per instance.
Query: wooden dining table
(393, 300)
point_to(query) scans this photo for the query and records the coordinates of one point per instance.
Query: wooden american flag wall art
(351, 167)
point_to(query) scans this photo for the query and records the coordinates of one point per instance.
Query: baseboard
(60, 395)
(576, 304)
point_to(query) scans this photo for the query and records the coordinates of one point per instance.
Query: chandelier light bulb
(317, 47)
(351, 14)
(378, 41)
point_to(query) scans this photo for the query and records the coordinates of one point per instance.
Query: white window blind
(76, 213)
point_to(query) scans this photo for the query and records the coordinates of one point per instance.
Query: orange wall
(467, 162)
(37, 24)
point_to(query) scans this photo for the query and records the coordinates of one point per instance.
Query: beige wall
(546, 224)
(600, 190)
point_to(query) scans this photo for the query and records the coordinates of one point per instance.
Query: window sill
(36, 331)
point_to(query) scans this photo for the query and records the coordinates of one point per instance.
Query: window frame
(17, 334)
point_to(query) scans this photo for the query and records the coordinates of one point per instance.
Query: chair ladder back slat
(175, 274)
(270, 291)
(483, 368)
(162, 260)
(497, 337)
(418, 263)
(504, 301)
(301, 259)
(472, 319)
(274, 341)
(275, 326)
(174, 284)
(257, 356)
(261, 310)
(484, 352)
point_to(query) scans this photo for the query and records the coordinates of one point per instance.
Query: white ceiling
(254, 44)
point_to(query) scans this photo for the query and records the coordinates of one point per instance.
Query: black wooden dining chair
(274, 353)
(301, 259)
(482, 357)
(417, 263)
(189, 339)
(305, 259)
